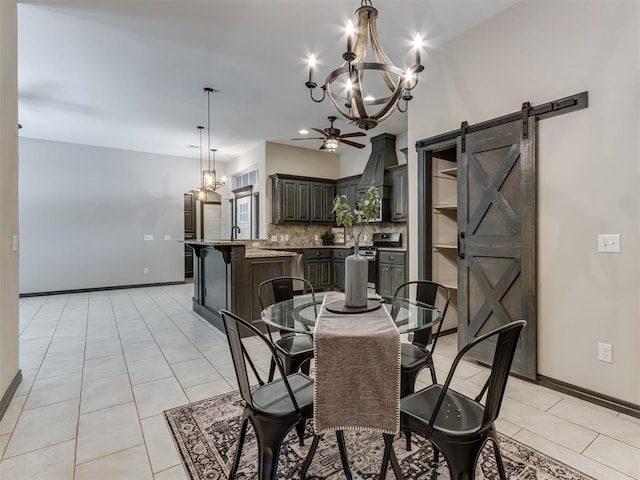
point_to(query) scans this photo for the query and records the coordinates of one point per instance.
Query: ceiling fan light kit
(331, 137)
(365, 107)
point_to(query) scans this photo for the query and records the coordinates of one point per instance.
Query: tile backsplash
(309, 235)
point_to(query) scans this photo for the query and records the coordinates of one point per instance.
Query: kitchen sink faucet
(235, 230)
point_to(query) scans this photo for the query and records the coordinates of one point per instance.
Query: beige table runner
(357, 371)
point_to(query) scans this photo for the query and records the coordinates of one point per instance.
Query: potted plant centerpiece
(356, 266)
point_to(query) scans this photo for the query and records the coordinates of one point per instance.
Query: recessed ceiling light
(304, 131)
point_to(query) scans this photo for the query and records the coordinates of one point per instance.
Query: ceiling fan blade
(309, 138)
(353, 134)
(321, 132)
(322, 147)
(352, 144)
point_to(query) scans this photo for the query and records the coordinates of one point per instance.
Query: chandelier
(210, 180)
(367, 105)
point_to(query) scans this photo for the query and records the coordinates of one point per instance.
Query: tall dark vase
(356, 268)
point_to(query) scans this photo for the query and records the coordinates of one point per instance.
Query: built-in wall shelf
(450, 284)
(445, 208)
(449, 172)
(448, 246)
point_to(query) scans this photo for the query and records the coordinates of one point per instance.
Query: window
(246, 179)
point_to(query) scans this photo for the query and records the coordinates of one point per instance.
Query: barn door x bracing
(497, 237)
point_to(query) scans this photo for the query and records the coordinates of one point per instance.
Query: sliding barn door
(497, 237)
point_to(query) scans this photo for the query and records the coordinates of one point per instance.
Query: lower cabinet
(392, 271)
(317, 267)
(339, 255)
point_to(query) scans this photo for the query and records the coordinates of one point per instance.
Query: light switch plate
(148, 238)
(167, 237)
(14, 243)
(609, 243)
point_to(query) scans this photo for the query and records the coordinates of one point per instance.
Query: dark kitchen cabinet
(322, 195)
(348, 187)
(399, 193)
(317, 267)
(392, 271)
(301, 199)
(339, 255)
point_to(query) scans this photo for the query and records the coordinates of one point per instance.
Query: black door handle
(461, 245)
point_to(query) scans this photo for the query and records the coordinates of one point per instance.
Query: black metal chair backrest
(429, 293)
(280, 289)
(495, 385)
(234, 328)
(502, 359)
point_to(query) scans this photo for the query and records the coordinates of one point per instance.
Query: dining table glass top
(300, 313)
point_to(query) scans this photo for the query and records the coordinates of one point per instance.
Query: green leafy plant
(328, 237)
(367, 210)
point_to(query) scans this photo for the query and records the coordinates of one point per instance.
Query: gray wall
(588, 168)
(8, 195)
(84, 212)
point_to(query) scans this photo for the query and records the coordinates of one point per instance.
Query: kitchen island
(227, 275)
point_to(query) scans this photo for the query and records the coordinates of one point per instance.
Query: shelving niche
(445, 228)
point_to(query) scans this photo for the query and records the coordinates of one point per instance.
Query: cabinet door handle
(317, 254)
(461, 245)
(390, 258)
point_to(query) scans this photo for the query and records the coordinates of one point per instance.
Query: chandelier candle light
(398, 83)
(356, 266)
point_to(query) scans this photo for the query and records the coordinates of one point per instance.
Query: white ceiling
(129, 74)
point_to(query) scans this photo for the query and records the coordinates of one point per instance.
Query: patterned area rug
(206, 433)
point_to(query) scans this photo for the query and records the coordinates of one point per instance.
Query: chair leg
(407, 436)
(343, 455)
(433, 371)
(389, 454)
(269, 436)
(300, 432)
(312, 452)
(499, 462)
(236, 460)
(272, 370)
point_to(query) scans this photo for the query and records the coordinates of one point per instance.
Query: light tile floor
(99, 368)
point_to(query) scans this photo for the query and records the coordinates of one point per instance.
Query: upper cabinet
(301, 199)
(349, 188)
(400, 195)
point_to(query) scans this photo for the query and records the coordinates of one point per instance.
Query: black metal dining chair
(457, 425)
(274, 407)
(418, 354)
(294, 350)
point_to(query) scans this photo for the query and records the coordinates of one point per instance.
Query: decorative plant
(327, 237)
(367, 210)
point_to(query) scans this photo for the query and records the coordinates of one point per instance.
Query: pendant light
(201, 191)
(209, 178)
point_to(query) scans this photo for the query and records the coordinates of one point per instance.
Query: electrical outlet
(145, 270)
(148, 238)
(605, 352)
(609, 243)
(167, 237)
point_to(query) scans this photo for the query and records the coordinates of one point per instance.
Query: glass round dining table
(300, 313)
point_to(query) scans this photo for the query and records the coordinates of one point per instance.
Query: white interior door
(211, 221)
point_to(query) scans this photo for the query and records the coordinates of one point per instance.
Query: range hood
(383, 155)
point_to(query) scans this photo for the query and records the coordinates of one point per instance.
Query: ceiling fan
(331, 138)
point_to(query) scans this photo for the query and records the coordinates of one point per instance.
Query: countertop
(261, 253)
(278, 250)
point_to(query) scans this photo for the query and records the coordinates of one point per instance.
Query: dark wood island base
(226, 276)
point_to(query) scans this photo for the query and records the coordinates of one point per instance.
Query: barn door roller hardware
(546, 110)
